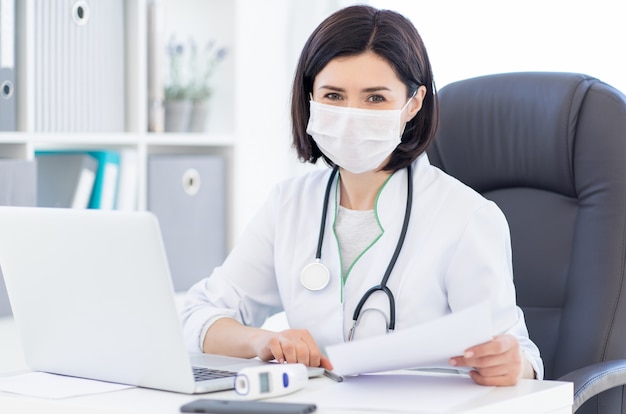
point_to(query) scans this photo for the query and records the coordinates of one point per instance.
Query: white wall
(468, 38)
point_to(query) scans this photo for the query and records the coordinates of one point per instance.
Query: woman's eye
(376, 98)
(333, 96)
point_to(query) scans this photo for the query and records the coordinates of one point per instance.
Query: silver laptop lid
(92, 296)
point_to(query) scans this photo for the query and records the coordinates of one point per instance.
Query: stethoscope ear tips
(315, 276)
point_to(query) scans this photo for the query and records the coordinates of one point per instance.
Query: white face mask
(357, 140)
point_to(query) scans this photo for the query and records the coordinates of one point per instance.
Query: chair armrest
(591, 380)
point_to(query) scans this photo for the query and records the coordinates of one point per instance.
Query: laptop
(92, 297)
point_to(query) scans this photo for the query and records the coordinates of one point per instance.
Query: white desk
(529, 396)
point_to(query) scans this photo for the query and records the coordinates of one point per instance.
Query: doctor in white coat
(381, 219)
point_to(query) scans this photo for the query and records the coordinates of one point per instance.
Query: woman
(364, 101)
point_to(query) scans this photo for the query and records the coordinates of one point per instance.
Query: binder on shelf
(70, 56)
(188, 195)
(65, 179)
(104, 192)
(128, 182)
(8, 117)
(18, 183)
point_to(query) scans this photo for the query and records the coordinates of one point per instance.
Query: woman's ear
(415, 103)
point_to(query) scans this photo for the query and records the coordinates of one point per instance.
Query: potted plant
(177, 102)
(188, 89)
(202, 64)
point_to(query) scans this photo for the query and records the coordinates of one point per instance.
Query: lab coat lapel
(389, 208)
(370, 268)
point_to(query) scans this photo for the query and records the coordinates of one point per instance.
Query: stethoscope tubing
(320, 238)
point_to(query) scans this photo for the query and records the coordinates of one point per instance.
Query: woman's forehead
(358, 72)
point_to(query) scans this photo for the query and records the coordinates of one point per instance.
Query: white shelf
(189, 139)
(60, 139)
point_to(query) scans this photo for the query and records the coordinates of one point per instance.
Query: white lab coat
(457, 253)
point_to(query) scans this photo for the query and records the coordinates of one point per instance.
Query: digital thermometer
(271, 380)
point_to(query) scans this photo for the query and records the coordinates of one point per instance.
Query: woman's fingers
(295, 345)
(497, 362)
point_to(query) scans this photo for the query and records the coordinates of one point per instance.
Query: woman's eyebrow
(332, 88)
(366, 90)
(376, 89)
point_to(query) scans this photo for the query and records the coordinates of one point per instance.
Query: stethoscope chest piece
(315, 276)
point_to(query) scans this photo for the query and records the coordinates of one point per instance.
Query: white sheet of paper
(43, 385)
(430, 344)
(400, 392)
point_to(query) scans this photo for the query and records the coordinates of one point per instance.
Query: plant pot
(177, 115)
(199, 116)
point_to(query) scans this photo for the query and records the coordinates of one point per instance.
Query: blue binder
(104, 193)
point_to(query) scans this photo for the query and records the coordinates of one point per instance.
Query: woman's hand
(291, 345)
(227, 336)
(497, 362)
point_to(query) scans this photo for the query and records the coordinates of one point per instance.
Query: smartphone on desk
(246, 407)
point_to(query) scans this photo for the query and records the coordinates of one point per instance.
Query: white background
(476, 37)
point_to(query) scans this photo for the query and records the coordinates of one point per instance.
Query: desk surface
(528, 396)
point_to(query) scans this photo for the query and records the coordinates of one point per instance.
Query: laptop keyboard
(203, 374)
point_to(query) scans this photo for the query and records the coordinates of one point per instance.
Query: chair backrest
(550, 150)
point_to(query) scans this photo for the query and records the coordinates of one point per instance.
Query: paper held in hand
(428, 345)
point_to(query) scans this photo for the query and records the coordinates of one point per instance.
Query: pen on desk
(333, 376)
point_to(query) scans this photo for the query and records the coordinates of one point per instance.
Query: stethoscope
(316, 275)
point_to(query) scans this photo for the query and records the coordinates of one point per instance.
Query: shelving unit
(23, 144)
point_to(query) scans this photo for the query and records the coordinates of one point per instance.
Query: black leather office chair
(550, 150)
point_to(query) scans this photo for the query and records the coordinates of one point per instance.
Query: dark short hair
(352, 31)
